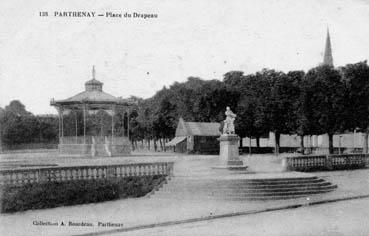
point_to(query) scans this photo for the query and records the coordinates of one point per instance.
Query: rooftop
(197, 128)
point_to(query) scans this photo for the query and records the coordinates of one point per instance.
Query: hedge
(55, 194)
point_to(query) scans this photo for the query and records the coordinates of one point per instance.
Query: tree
(356, 80)
(301, 123)
(19, 126)
(233, 78)
(275, 103)
(212, 101)
(135, 128)
(323, 97)
(17, 108)
(164, 123)
(47, 128)
(185, 96)
(2, 115)
(247, 87)
(19, 129)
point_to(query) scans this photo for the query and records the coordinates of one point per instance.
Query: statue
(228, 144)
(228, 127)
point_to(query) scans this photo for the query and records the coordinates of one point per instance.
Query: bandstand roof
(90, 97)
(93, 95)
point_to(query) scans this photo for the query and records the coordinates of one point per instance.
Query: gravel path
(143, 211)
(343, 218)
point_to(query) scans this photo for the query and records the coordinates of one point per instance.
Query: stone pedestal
(229, 154)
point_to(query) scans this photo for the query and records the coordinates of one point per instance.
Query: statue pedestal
(229, 154)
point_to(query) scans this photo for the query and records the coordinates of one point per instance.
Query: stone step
(236, 182)
(247, 190)
(248, 177)
(251, 176)
(241, 185)
(266, 198)
(239, 196)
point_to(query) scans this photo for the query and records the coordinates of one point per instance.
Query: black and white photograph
(184, 117)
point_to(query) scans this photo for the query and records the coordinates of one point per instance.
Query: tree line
(323, 100)
(18, 126)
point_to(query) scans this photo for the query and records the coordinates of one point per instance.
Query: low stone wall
(326, 162)
(45, 187)
(69, 173)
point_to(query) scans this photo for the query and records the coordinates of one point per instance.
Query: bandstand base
(98, 150)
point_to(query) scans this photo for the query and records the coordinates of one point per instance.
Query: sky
(52, 57)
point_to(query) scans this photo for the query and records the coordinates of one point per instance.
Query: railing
(29, 147)
(70, 173)
(336, 150)
(326, 162)
(88, 139)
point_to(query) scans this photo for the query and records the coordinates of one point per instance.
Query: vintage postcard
(184, 117)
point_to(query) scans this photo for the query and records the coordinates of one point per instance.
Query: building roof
(175, 141)
(90, 96)
(197, 128)
(93, 81)
(93, 94)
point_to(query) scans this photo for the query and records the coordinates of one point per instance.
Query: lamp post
(1, 142)
(339, 144)
(353, 141)
(250, 146)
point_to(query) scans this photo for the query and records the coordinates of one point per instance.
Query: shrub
(54, 194)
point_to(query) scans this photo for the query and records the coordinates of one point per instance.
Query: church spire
(328, 58)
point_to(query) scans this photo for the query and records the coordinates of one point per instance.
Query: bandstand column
(84, 123)
(128, 123)
(101, 122)
(62, 123)
(124, 129)
(59, 121)
(76, 120)
(112, 122)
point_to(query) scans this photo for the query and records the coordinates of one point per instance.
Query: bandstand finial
(93, 72)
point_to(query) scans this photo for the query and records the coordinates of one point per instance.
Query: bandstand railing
(70, 173)
(88, 139)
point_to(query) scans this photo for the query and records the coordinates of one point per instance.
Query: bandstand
(93, 141)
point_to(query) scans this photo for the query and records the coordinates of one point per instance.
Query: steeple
(328, 58)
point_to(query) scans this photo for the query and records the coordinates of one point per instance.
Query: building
(196, 137)
(317, 144)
